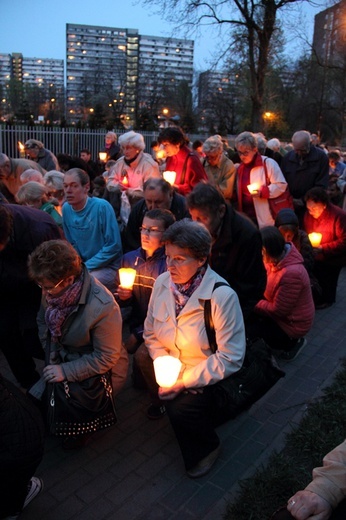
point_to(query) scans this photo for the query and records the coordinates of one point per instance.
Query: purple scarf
(183, 291)
(59, 308)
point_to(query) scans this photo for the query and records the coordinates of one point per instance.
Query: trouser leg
(145, 365)
(192, 420)
(328, 276)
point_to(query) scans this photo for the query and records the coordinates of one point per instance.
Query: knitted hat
(286, 217)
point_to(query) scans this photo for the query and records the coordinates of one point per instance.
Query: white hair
(54, 179)
(213, 144)
(31, 192)
(132, 138)
(274, 144)
(31, 175)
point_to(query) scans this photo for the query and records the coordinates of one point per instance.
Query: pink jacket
(288, 299)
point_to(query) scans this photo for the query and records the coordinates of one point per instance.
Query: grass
(322, 428)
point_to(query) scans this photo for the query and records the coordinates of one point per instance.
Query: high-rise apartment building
(329, 41)
(121, 69)
(39, 82)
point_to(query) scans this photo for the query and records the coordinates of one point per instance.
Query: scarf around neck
(183, 291)
(59, 308)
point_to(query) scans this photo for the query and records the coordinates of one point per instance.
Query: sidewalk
(134, 470)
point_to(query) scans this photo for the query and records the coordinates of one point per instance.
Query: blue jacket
(148, 269)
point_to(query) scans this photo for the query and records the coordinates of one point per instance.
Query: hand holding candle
(253, 188)
(103, 156)
(315, 239)
(127, 277)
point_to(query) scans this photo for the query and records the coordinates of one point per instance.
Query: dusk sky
(36, 28)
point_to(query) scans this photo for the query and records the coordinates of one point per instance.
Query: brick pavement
(134, 471)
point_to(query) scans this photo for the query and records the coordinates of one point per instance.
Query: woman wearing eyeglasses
(82, 318)
(175, 326)
(258, 179)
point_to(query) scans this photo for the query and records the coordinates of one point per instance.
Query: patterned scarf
(59, 308)
(183, 291)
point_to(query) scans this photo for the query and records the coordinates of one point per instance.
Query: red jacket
(332, 225)
(194, 172)
(288, 299)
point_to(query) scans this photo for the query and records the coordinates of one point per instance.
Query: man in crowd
(158, 194)
(305, 167)
(91, 227)
(39, 154)
(236, 252)
(85, 154)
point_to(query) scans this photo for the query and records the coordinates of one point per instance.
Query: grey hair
(246, 138)
(274, 144)
(213, 144)
(112, 135)
(30, 192)
(132, 138)
(303, 137)
(54, 179)
(261, 143)
(31, 175)
(189, 235)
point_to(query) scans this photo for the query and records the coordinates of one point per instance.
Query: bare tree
(252, 24)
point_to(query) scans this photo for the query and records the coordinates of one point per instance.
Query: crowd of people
(233, 226)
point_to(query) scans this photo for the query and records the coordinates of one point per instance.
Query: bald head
(301, 142)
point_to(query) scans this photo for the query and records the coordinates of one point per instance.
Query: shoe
(204, 465)
(75, 443)
(156, 412)
(290, 355)
(35, 486)
(323, 305)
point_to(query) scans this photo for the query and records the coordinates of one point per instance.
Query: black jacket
(236, 255)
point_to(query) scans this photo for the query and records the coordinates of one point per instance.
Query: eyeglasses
(50, 289)
(244, 154)
(154, 230)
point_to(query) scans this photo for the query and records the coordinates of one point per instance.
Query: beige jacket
(185, 336)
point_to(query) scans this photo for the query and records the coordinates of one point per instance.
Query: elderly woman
(36, 195)
(83, 321)
(330, 256)
(264, 176)
(54, 181)
(287, 310)
(182, 160)
(38, 153)
(131, 171)
(111, 147)
(175, 325)
(220, 170)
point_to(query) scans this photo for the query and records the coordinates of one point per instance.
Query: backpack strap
(208, 320)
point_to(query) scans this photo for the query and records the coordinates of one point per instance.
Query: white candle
(169, 176)
(103, 156)
(315, 239)
(167, 370)
(127, 277)
(253, 188)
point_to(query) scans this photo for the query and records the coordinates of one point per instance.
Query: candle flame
(20, 146)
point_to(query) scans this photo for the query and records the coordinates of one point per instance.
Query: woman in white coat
(175, 326)
(253, 189)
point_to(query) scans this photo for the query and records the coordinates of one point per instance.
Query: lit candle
(125, 180)
(167, 370)
(169, 176)
(103, 156)
(21, 150)
(127, 277)
(315, 239)
(161, 154)
(253, 188)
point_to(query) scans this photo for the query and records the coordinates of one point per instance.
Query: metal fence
(59, 140)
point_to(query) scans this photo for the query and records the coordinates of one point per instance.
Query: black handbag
(258, 374)
(79, 407)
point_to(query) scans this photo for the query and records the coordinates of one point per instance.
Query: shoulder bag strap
(208, 320)
(266, 171)
(183, 171)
